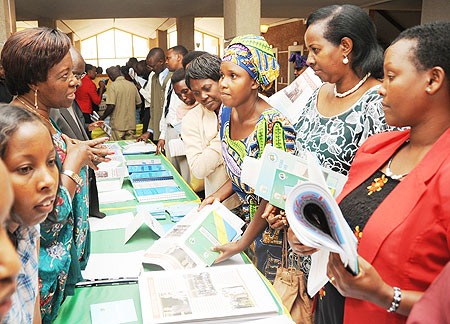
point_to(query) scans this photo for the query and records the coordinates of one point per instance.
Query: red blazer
(407, 238)
(86, 94)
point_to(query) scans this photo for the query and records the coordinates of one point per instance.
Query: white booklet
(219, 294)
(188, 244)
(290, 100)
(275, 174)
(317, 221)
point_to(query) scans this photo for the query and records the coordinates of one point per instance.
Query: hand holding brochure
(188, 244)
(317, 221)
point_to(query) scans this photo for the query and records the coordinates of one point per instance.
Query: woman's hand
(367, 285)
(275, 216)
(96, 124)
(207, 201)
(297, 246)
(227, 250)
(81, 153)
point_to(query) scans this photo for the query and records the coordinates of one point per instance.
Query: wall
(281, 37)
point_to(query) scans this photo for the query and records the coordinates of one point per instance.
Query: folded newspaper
(228, 294)
(317, 221)
(188, 244)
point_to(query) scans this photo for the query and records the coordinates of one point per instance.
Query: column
(161, 39)
(435, 10)
(185, 32)
(7, 20)
(241, 17)
(47, 22)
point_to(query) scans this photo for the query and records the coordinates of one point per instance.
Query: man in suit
(71, 122)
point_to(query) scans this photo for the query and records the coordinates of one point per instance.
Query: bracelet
(396, 301)
(75, 177)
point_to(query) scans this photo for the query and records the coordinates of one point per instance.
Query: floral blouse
(64, 244)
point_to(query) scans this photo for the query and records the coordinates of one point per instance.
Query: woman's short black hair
(432, 48)
(178, 75)
(190, 56)
(206, 66)
(29, 54)
(352, 22)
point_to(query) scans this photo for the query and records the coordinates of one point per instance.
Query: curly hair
(432, 48)
(352, 22)
(29, 54)
(206, 66)
(11, 117)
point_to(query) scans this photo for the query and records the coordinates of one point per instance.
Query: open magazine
(291, 99)
(317, 221)
(225, 294)
(275, 174)
(188, 244)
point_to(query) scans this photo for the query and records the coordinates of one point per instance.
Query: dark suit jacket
(67, 124)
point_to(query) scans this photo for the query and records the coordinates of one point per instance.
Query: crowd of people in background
(382, 118)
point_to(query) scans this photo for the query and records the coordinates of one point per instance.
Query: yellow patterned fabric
(254, 54)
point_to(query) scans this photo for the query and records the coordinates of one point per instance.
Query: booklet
(188, 244)
(316, 220)
(290, 100)
(283, 171)
(139, 148)
(220, 294)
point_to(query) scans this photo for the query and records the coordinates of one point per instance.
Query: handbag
(290, 285)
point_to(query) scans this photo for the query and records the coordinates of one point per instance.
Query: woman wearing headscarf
(247, 125)
(299, 62)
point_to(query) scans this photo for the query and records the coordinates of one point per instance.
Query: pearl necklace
(388, 171)
(356, 87)
(34, 111)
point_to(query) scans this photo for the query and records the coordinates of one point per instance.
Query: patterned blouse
(65, 243)
(272, 128)
(336, 139)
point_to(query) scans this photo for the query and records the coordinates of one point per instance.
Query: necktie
(169, 95)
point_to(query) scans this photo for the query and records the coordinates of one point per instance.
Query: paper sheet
(116, 312)
(115, 196)
(143, 217)
(113, 265)
(110, 222)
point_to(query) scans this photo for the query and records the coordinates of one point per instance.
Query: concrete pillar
(7, 20)
(152, 42)
(70, 35)
(185, 32)
(161, 39)
(435, 10)
(47, 22)
(241, 17)
(77, 45)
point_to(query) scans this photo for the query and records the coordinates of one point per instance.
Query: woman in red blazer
(397, 198)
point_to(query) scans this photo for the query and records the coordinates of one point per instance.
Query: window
(202, 41)
(113, 47)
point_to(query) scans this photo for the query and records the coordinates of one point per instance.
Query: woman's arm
(368, 285)
(221, 194)
(37, 304)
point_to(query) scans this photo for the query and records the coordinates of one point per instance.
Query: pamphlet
(220, 294)
(143, 217)
(116, 312)
(188, 244)
(139, 148)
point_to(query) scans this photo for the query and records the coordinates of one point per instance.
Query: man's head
(156, 61)
(132, 62)
(179, 86)
(77, 64)
(190, 56)
(141, 69)
(91, 71)
(113, 72)
(174, 57)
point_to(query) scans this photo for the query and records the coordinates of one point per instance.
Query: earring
(428, 90)
(35, 99)
(345, 60)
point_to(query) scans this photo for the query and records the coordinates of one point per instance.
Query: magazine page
(282, 172)
(317, 221)
(189, 242)
(200, 295)
(293, 98)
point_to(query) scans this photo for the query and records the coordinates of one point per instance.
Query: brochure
(283, 171)
(139, 148)
(188, 244)
(220, 294)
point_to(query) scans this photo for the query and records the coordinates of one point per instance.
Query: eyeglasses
(79, 76)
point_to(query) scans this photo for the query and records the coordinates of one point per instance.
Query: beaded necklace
(356, 87)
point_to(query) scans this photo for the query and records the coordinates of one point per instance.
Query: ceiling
(88, 9)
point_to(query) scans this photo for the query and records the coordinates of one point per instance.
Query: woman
(299, 62)
(396, 197)
(38, 69)
(27, 149)
(247, 124)
(9, 261)
(199, 127)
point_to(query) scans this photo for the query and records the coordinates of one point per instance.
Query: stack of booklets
(227, 294)
(188, 244)
(110, 174)
(152, 182)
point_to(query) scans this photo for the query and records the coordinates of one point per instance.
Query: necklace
(34, 111)
(389, 173)
(356, 87)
